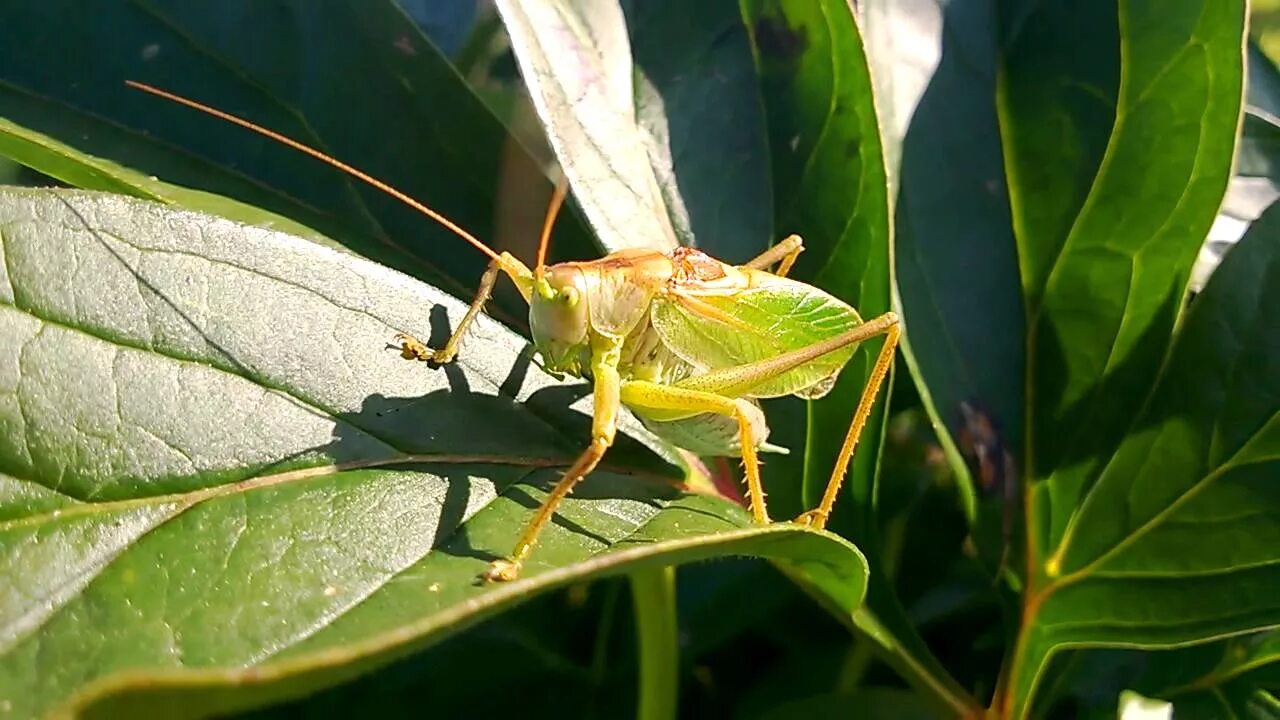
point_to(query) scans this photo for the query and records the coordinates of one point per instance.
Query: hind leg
(817, 517)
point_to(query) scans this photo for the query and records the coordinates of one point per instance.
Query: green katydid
(689, 344)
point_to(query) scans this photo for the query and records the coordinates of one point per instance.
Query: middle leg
(639, 394)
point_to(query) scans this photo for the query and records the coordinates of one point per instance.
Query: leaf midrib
(454, 617)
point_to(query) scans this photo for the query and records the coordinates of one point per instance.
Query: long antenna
(557, 199)
(331, 161)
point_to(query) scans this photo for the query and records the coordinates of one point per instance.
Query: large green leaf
(1190, 498)
(831, 187)
(219, 488)
(654, 113)
(356, 79)
(1108, 223)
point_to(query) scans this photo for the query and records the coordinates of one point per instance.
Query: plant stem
(916, 671)
(653, 592)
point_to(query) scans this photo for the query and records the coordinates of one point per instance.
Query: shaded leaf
(698, 105)
(956, 265)
(524, 650)
(65, 163)
(357, 80)
(209, 508)
(1239, 677)
(1255, 179)
(1259, 150)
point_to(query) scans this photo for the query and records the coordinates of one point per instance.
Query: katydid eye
(569, 295)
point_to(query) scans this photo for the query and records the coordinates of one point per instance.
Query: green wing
(777, 316)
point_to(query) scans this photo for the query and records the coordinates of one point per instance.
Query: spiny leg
(638, 394)
(739, 380)
(786, 251)
(604, 423)
(412, 348)
(818, 516)
(508, 568)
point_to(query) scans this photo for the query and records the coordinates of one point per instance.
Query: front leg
(604, 424)
(412, 348)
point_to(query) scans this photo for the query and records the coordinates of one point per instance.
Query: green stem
(653, 593)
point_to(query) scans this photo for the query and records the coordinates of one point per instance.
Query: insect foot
(816, 519)
(411, 348)
(502, 571)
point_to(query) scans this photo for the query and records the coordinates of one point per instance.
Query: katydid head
(558, 318)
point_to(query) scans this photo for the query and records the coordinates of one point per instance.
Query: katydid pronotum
(689, 344)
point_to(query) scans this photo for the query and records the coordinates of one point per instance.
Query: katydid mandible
(689, 344)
